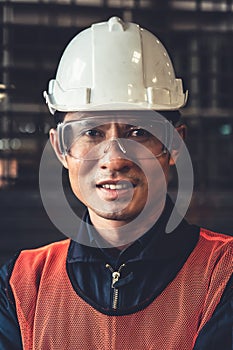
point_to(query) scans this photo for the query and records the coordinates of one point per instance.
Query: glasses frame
(166, 145)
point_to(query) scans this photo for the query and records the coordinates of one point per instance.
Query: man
(122, 282)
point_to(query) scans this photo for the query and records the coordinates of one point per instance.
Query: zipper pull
(115, 277)
(115, 274)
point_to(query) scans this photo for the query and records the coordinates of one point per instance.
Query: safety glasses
(136, 137)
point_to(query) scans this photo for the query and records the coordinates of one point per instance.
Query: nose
(113, 159)
(114, 142)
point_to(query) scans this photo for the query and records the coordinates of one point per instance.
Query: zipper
(115, 277)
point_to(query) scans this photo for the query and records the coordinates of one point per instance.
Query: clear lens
(93, 137)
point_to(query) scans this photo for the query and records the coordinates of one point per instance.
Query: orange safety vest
(52, 316)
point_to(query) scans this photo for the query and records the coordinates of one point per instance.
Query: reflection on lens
(88, 139)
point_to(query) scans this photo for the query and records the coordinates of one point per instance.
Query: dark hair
(59, 117)
(172, 116)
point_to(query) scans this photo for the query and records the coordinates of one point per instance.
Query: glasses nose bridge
(112, 142)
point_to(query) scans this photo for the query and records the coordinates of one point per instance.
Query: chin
(118, 215)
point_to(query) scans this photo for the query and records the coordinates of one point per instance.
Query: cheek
(80, 176)
(73, 171)
(165, 168)
(151, 196)
(156, 173)
(156, 183)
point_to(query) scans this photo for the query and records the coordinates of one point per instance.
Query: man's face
(115, 168)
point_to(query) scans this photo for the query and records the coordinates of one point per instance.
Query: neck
(122, 233)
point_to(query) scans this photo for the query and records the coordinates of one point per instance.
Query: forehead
(115, 116)
(115, 119)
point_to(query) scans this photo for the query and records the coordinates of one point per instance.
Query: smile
(120, 185)
(115, 187)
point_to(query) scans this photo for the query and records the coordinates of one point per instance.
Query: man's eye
(140, 133)
(93, 133)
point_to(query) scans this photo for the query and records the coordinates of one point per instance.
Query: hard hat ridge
(116, 24)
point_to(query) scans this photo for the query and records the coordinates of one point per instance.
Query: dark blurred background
(199, 38)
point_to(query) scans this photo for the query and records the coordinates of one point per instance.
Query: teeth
(115, 187)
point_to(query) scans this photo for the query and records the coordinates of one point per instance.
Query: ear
(53, 136)
(177, 143)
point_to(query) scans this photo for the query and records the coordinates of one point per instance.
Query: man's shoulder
(35, 258)
(32, 264)
(48, 247)
(45, 252)
(217, 248)
(216, 238)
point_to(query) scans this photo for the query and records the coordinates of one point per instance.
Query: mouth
(115, 190)
(116, 185)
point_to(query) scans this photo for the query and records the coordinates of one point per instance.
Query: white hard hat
(114, 63)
